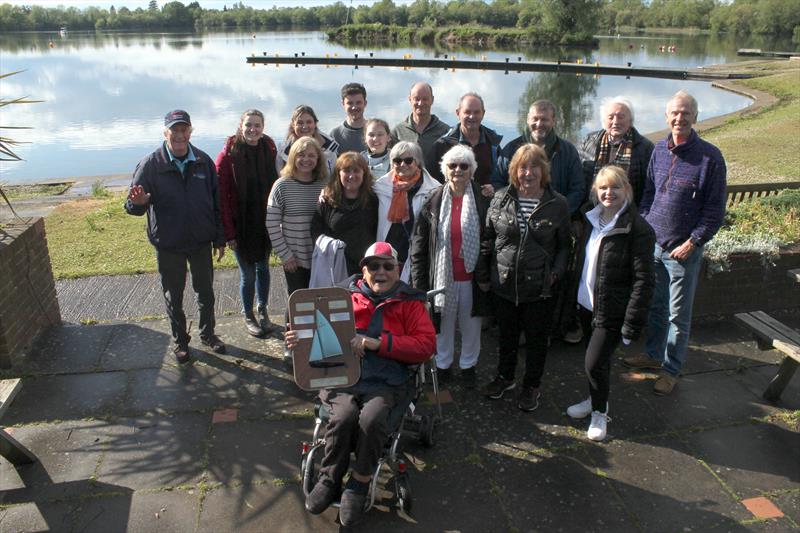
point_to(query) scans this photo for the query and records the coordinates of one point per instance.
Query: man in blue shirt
(176, 186)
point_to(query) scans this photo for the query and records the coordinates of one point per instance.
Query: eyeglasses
(374, 266)
(403, 160)
(462, 166)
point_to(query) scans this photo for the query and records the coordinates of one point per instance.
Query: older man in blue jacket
(176, 186)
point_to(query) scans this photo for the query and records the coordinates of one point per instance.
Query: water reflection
(106, 93)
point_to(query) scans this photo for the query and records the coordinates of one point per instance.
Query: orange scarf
(399, 209)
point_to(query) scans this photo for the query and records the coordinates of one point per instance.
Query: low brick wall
(28, 301)
(749, 286)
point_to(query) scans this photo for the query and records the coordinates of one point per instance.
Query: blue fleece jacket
(684, 192)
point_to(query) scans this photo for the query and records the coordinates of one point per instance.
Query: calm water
(105, 94)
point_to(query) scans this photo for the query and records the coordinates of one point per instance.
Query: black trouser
(600, 347)
(534, 319)
(359, 423)
(172, 268)
(299, 279)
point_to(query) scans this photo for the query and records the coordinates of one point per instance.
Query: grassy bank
(765, 146)
(482, 35)
(95, 236)
(36, 190)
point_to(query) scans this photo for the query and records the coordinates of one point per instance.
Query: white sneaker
(580, 410)
(597, 427)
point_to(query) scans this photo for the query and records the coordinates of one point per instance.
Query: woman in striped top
(291, 205)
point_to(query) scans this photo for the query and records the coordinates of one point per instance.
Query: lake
(105, 94)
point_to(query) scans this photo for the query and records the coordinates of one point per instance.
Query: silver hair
(617, 100)
(683, 95)
(459, 153)
(410, 149)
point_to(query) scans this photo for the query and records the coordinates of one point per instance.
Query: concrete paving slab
(552, 492)
(262, 507)
(140, 512)
(62, 350)
(47, 516)
(67, 397)
(664, 486)
(789, 503)
(256, 451)
(696, 401)
(188, 388)
(751, 459)
(155, 452)
(65, 452)
(135, 346)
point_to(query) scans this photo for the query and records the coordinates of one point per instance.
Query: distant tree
(153, 6)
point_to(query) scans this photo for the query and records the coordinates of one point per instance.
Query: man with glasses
(485, 143)
(177, 187)
(393, 331)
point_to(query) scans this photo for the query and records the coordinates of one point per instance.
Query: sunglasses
(400, 160)
(462, 166)
(374, 266)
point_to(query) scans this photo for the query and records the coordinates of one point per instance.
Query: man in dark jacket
(566, 173)
(176, 186)
(684, 202)
(618, 143)
(485, 143)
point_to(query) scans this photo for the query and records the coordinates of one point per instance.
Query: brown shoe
(641, 361)
(664, 384)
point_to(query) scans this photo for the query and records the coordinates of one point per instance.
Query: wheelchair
(404, 423)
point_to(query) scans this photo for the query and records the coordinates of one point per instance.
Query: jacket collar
(488, 135)
(685, 147)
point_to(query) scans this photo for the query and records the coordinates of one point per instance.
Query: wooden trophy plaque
(324, 321)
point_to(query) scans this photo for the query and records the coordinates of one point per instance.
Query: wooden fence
(751, 191)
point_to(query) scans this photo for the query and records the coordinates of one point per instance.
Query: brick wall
(749, 286)
(28, 301)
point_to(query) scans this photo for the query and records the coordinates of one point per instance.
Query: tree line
(741, 17)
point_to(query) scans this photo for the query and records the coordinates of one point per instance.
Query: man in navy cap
(177, 187)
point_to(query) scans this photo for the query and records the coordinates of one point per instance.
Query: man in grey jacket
(421, 126)
(176, 186)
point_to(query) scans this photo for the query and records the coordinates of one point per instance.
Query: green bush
(760, 226)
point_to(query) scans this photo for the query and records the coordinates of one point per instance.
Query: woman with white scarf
(444, 251)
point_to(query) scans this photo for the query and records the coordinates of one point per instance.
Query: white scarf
(470, 246)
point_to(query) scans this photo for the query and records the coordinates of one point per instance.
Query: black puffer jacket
(640, 158)
(519, 266)
(423, 245)
(624, 283)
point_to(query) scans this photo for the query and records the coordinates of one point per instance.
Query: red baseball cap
(380, 249)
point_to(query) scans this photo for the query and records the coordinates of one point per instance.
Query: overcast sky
(207, 4)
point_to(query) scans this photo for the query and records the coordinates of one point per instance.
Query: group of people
(596, 244)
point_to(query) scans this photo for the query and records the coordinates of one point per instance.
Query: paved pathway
(127, 441)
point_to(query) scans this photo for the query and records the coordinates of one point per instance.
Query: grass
(95, 236)
(765, 146)
(25, 192)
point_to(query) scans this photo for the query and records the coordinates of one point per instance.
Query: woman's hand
(290, 265)
(487, 190)
(485, 286)
(361, 343)
(232, 244)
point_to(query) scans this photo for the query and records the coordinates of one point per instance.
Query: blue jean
(253, 281)
(671, 311)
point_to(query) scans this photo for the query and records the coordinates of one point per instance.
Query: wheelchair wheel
(309, 471)
(403, 494)
(426, 428)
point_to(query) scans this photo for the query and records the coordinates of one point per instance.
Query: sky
(207, 4)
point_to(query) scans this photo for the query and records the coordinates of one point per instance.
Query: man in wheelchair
(393, 331)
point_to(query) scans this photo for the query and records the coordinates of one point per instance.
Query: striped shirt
(526, 207)
(290, 207)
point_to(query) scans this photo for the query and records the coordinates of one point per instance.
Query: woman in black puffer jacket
(524, 253)
(614, 266)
